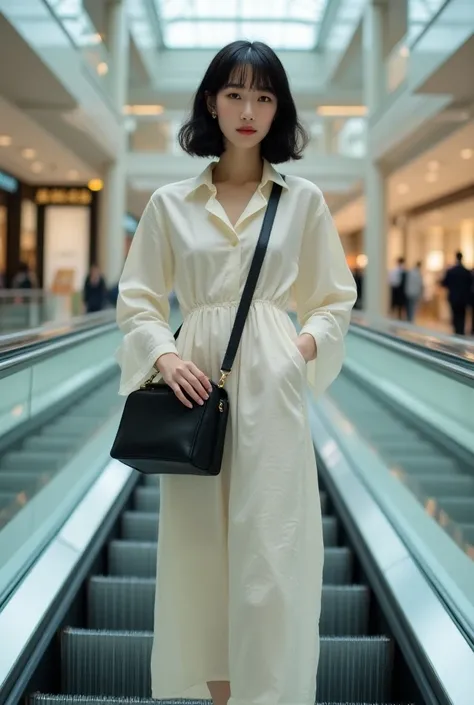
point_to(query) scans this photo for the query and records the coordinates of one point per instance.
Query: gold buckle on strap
(223, 379)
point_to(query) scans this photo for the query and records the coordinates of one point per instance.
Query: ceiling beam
(155, 18)
(327, 21)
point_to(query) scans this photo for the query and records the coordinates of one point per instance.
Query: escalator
(440, 478)
(107, 659)
(31, 462)
(91, 637)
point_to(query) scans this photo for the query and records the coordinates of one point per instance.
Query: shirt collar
(205, 178)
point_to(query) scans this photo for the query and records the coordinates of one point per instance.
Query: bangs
(247, 64)
(256, 75)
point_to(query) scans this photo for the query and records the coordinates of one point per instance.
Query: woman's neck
(239, 166)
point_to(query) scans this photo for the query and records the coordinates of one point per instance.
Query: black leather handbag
(157, 434)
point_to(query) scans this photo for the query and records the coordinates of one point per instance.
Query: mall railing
(420, 16)
(44, 372)
(21, 309)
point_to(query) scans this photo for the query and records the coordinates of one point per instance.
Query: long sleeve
(325, 294)
(142, 305)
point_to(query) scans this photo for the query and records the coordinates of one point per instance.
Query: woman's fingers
(201, 377)
(179, 395)
(192, 381)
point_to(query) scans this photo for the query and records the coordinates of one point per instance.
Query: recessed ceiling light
(402, 189)
(28, 153)
(431, 177)
(5, 140)
(102, 68)
(342, 110)
(73, 174)
(96, 184)
(36, 167)
(433, 165)
(143, 109)
(467, 153)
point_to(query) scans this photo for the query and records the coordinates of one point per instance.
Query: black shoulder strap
(252, 280)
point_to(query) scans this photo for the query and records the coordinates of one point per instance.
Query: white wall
(66, 242)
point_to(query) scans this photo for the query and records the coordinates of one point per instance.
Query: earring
(214, 114)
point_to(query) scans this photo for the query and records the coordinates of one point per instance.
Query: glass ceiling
(284, 24)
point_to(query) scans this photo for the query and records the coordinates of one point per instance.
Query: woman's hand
(183, 376)
(307, 346)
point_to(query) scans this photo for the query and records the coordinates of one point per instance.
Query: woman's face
(245, 115)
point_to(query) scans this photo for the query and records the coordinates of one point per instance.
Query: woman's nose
(247, 112)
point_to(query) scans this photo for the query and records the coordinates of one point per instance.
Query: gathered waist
(234, 305)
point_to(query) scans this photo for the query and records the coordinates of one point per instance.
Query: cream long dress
(240, 555)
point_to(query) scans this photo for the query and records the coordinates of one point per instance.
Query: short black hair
(201, 136)
(459, 256)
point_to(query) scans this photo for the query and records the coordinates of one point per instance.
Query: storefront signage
(63, 196)
(8, 183)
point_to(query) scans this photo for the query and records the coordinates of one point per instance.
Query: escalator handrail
(47, 331)
(45, 343)
(459, 367)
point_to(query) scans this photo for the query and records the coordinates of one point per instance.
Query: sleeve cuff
(130, 382)
(322, 371)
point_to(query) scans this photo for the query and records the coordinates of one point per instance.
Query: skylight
(210, 24)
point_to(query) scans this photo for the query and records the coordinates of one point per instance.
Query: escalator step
(54, 443)
(460, 509)
(139, 526)
(143, 526)
(7, 498)
(43, 699)
(31, 460)
(128, 603)
(445, 485)
(19, 481)
(138, 559)
(146, 498)
(118, 663)
(151, 481)
(468, 533)
(426, 464)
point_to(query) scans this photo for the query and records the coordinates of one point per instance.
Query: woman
(240, 556)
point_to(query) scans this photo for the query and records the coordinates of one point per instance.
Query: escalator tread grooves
(44, 699)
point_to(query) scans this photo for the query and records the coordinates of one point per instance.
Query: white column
(373, 54)
(375, 242)
(114, 194)
(376, 229)
(118, 42)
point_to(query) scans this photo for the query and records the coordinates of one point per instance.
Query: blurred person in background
(24, 278)
(458, 282)
(471, 301)
(95, 291)
(397, 279)
(240, 555)
(413, 290)
(358, 275)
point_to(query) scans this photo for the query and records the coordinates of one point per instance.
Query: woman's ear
(211, 104)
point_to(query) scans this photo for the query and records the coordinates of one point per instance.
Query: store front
(66, 236)
(9, 187)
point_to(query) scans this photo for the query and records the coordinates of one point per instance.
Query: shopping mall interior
(93, 94)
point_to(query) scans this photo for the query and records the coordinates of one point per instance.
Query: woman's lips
(246, 130)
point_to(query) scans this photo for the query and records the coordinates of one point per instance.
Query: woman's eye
(265, 99)
(234, 95)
